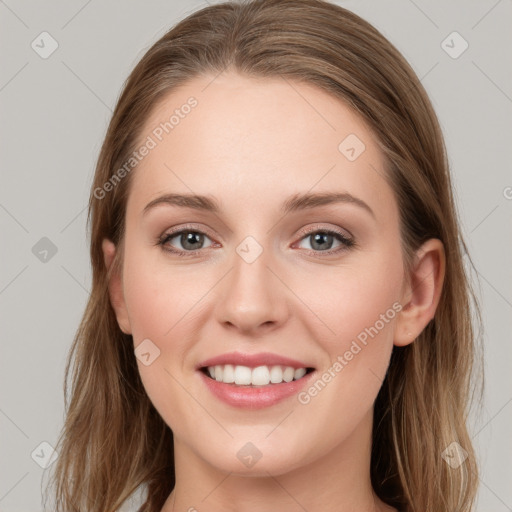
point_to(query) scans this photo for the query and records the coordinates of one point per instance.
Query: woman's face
(272, 273)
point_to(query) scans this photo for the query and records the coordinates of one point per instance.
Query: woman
(280, 316)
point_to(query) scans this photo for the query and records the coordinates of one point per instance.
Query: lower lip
(254, 397)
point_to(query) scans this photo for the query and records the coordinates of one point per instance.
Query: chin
(244, 457)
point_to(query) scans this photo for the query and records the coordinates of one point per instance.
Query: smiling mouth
(239, 375)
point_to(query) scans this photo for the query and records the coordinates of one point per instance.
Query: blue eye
(192, 242)
(322, 240)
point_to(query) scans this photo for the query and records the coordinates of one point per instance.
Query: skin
(252, 143)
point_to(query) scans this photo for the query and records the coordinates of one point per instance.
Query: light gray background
(54, 114)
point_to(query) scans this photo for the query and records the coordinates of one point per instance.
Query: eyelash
(346, 243)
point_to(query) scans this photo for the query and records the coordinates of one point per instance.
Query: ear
(115, 287)
(421, 295)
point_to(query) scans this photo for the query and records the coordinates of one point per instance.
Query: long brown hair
(113, 439)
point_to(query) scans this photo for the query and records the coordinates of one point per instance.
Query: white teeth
(259, 376)
(288, 374)
(276, 375)
(299, 373)
(229, 374)
(243, 375)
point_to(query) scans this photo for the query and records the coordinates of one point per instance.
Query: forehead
(239, 137)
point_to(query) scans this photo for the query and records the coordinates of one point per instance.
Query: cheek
(157, 297)
(355, 310)
(349, 299)
(160, 311)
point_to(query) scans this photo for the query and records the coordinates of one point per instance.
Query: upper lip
(253, 360)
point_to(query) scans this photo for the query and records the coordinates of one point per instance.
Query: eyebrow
(293, 203)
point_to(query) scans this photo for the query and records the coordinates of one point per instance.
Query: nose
(252, 298)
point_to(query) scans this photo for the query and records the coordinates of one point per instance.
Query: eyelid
(187, 227)
(347, 240)
(173, 232)
(302, 232)
(313, 229)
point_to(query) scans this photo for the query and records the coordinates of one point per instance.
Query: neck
(338, 481)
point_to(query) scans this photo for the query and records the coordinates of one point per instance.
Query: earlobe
(115, 287)
(421, 297)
